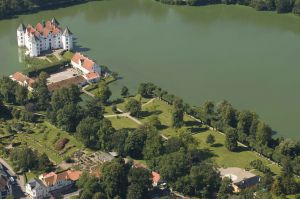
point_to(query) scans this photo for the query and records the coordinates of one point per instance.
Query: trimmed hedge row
(48, 68)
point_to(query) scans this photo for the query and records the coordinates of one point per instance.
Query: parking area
(63, 75)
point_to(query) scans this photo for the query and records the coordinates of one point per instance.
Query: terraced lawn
(43, 139)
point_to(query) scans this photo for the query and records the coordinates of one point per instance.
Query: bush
(60, 144)
(258, 164)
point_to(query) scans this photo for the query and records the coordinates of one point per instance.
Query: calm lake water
(200, 53)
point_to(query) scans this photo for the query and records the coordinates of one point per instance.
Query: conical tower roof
(54, 21)
(67, 32)
(21, 27)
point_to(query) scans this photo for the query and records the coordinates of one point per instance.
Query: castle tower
(54, 21)
(21, 35)
(67, 39)
(34, 49)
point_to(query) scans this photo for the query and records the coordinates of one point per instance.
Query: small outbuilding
(241, 178)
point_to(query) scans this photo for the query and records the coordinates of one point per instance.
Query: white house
(44, 36)
(50, 182)
(90, 70)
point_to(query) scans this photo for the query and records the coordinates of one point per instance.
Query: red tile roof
(20, 77)
(85, 61)
(155, 177)
(40, 29)
(52, 178)
(92, 75)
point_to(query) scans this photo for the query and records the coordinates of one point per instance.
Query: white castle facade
(44, 36)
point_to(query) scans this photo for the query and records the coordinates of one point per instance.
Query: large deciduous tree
(177, 113)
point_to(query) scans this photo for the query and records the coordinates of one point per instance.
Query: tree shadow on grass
(196, 130)
(145, 114)
(192, 123)
(217, 145)
(201, 155)
(241, 149)
(162, 127)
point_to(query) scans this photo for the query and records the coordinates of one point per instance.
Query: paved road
(18, 188)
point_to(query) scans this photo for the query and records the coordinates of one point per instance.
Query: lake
(214, 52)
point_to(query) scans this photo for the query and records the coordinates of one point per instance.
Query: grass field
(123, 122)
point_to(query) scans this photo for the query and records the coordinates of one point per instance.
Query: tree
(296, 8)
(134, 107)
(135, 143)
(103, 93)
(68, 117)
(41, 93)
(174, 165)
(225, 189)
(114, 178)
(44, 163)
(153, 145)
(86, 131)
(139, 183)
(125, 91)
(21, 94)
(94, 108)
(231, 140)
(118, 141)
(177, 114)
(4, 111)
(277, 187)
(208, 111)
(263, 133)
(210, 139)
(146, 89)
(105, 133)
(283, 6)
(24, 158)
(227, 114)
(154, 121)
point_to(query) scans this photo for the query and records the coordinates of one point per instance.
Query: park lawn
(163, 111)
(108, 110)
(43, 139)
(122, 122)
(137, 97)
(225, 158)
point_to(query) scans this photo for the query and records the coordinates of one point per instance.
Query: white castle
(44, 36)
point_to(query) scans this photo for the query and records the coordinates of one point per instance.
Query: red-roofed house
(23, 80)
(155, 178)
(90, 69)
(49, 182)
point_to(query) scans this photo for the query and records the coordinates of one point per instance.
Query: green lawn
(68, 55)
(123, 122)
(52, 58)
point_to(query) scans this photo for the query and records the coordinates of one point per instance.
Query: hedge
(48, 68)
